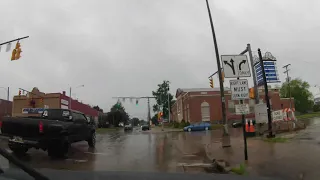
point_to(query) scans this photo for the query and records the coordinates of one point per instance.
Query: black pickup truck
(54, 131)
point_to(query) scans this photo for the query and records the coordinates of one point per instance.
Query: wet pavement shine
(163, 152)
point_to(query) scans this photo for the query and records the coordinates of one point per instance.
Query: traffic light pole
(14, 40)
(255, 85)
(266, 91)
(225, 136)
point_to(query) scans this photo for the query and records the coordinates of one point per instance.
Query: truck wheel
(18, 150)
(58, 150)
(92, 140)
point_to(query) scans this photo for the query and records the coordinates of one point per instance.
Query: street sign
(270, 68)
(261, 114)
(277, 115)
(235, 66)
(242, 109)
(239, 89)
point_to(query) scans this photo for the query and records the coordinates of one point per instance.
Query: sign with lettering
(242, 109)
(239, 89)
(32, 110)
(64, 102)
(277, 115)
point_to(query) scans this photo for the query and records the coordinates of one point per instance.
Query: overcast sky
(127, 47)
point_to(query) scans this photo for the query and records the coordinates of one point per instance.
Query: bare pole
(225, 141)
(14, 40)
(288, 81)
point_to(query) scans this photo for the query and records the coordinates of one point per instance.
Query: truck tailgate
(26, 127)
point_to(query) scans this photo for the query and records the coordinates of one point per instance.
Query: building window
(205, 111)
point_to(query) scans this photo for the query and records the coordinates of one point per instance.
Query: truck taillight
(40, 127)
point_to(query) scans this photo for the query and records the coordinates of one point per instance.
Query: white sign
(235, 66)
(64, 102)
(242, 109)
(64, 107)
(261, 114)
(277, 115)
(239, 89)
(46, 106)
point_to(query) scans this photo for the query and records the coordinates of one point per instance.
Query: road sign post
(240, 91)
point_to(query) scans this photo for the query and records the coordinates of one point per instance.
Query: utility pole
(169, 107)
(226, 137)
(266, 95)
(70, 98)
(288, 81)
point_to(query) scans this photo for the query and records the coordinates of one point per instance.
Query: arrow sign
(235, 66)
(231, 65)
(242, 62)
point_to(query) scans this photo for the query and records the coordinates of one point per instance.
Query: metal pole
(266, 95)
(244, 135)
(288, 80)
(70, 98)
(14, 40)
(8, 93)
(226, 141)
(169, 107)
(255, 86)
(149, 115)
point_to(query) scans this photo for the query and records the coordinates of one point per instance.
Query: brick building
(33, 103)
(203, 104)
(5, 108)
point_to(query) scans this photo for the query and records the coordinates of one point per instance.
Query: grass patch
(276, 140)
(104, 130)
(241, 170)
(216, 126)
(308, 115)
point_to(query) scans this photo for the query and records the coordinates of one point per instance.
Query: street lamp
(70, 94)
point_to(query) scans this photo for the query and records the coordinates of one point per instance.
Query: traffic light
(19, 92)
(211, 82)
(251, 93)
(16, 52)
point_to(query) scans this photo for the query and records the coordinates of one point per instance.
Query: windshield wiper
(32, 172)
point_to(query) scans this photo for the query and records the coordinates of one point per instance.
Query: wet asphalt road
(162, 152)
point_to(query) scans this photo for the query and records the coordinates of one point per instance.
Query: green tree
(135, 121)
(161, 95)
(117, 114)
(98, 108)
(303, 98)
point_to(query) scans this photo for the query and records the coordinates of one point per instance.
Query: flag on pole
(8, 47)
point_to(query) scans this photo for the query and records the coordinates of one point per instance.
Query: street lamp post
(288, 81)
(70, 90)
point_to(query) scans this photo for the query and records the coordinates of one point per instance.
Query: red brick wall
(194, 100)
(78, 106)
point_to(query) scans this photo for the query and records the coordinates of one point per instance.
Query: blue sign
(32, 110)
(270, 68)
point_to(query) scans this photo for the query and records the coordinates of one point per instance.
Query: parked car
(145, 127)
(128, 127)
(203, 126)
(54, 131)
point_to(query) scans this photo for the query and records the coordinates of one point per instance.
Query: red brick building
(203, 104)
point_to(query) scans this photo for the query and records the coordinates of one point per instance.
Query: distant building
(5, 108)
(33, 103)
(203, 104)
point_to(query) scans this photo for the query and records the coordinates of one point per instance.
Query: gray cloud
(125, 48)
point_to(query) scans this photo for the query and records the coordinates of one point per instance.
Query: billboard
(270, 68)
